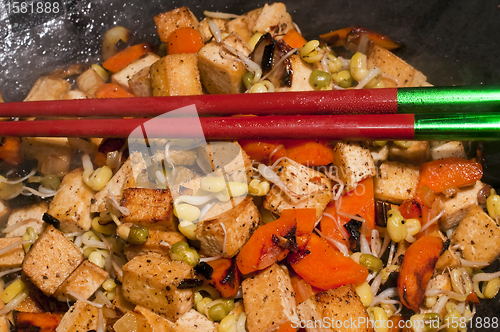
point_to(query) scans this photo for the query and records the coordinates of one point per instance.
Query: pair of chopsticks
(430, 113)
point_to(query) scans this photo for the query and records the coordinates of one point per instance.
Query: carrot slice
(416, 270)
(30, 321)
(306, 219)
(309, 153)
(303, 290)
(11, 150)
(324, 267)
(184, 40)
(443, 174)
(287, 327)
(294, 39)
(360, 201)
(122, 59)
(339, 37)
(261, 250)
(112, 90)
(225, 277)
(263, 151)
(472, 297)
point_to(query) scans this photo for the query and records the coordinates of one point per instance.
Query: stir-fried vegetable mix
(241, 236)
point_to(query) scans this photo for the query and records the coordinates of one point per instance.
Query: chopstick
(483, 126)
(363, 101)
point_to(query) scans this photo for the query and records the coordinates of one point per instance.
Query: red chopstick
(332, 127)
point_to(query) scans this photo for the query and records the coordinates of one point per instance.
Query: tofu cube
(478, 236)
(395, 67)
(120, 303)
(193, 321)
(151, 281)
(184, 182)
(354, 163)
(34, 213)
(239, 25)
(30, 304)
(14, 257)
(205, 31)
(334, 306)
(89, 82)
(301, 73)
(151, 208)
(266, 310)
(48, 88)
(157, 322)
(140, 83)
(226, 159)
(75, 94)
(84, 281)
(449, 149)
(310, 188)
(456, 207)
(123, 76)
(51, 259)
(158, 241)
(379, 153)
(219, 75)
(4, 321)
(80, 317)
(395, 182)
(4, 210)
(176, 75)
(71, 205)
(121, 179)
(272, 18)
(447, 259)
(168, 22)
(176, 157)
(239, 222)
(49, 151)
(417, 153)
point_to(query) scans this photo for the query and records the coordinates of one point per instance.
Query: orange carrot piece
(122, 59)
(339, 37)
(411, 209)
(112, 90)
(286, 327)
(184, 40)
(303, 290)
(396, 323)
(11, 150)
(261, 151)
(225, 277)
(100, 159)
(360, 201)
(443, 174)
(309, 153)
(324, 267)
(261, 250)
(472, 297)
(306, 219)
(294, 39)
(416, 270)
(30, 321)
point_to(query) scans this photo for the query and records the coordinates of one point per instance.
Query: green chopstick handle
(448, 99)
(460, 126)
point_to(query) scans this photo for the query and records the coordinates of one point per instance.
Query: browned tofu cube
(193, 321)
(120, 302)
(448, 259)
(301, 73)
(311, 189)
(51, 260)
(151, 208)
(124, 75)
(269, 299)
(168, 22)
(176, 75)
(219, 75)
(140, 83)
(395, 182)
(158, 241)
(151, 281)
(478, 236)
(29, 304)
(53, 154)
(456, 207)
(417, 153)
(89, 82)
(157, 322)
(33, 213)
(395, 67)
(338, 309)
(240, 222)
(448, 149)
(271, 18)
(86, 279)
(79, 318)
(71, 205)
(354, 163)
(48, 88)
(132, 321)
(14, 257)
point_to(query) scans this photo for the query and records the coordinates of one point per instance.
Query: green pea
(228, 304)
(182, 252)
(343, 78)
(191, 257)
(372, 263)
(51, 182)
(138, 235)
(217, 312)
(247, 79)
(320, 79)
